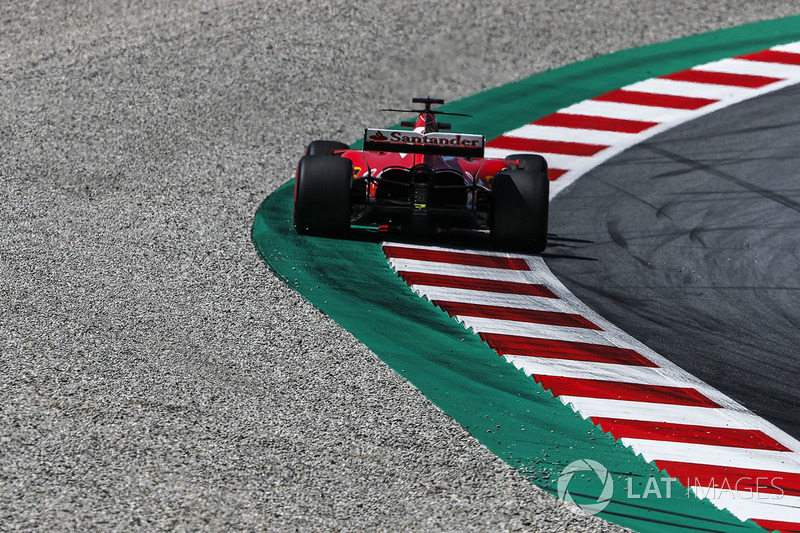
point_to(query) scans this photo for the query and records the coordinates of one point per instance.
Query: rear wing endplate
(411, 142)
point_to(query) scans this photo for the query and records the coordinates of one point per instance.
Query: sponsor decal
(422, 139)
(378, 136)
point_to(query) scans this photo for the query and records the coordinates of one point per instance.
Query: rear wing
(411, 142)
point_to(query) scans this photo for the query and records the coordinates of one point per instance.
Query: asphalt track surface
(155, 375)
(689, 243)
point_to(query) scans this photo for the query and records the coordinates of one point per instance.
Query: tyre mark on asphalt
(703, 167)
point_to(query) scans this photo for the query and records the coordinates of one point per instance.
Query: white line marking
(792, 48)
(689, 89)
(669, 414)
(754, 68)
(553, 160)
(535, 331)
(642, 113)
(516, 301)
(553, 133)
(450, 249)
(653, 450)
(548, 366)
(464, 271)
(746, 504)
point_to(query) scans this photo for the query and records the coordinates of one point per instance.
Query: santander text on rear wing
(410, 142)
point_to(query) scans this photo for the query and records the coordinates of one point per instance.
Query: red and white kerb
(697, 434)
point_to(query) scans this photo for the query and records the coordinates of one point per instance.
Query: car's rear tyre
(325, 147)
(322, 195)
(520, 210)
(530, 162)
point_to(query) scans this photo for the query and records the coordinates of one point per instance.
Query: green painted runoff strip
(508, 412)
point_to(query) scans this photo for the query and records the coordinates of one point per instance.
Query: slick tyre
(325, 147)
(530, 162)
(322, 195)
(520, 210)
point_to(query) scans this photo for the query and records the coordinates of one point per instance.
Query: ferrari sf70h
(423, 179)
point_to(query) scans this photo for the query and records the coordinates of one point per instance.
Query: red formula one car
(423, 179)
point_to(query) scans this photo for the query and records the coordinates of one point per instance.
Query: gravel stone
(154, 374)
